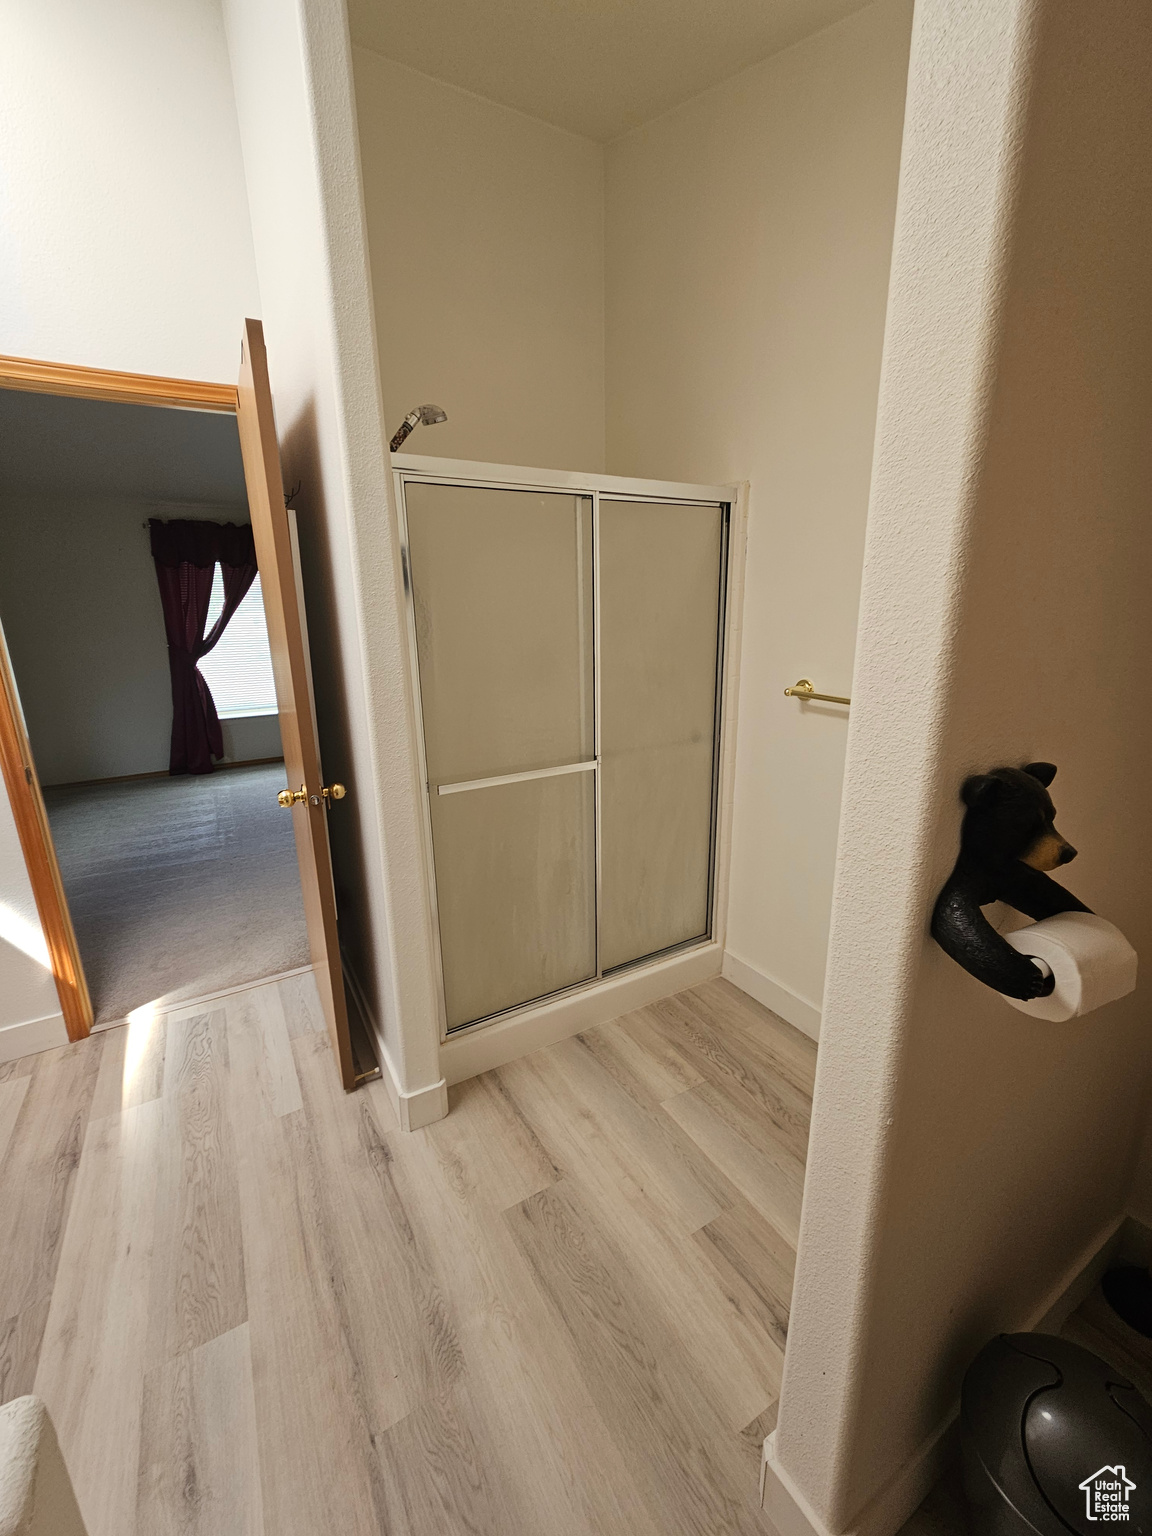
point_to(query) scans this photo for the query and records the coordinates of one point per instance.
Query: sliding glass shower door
(502, 589)
(567, 649)
(660, 568)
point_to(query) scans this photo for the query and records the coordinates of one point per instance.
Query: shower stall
(568, 647)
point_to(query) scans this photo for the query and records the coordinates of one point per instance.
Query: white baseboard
(388, 1074)
(494, 1045)
(415, 1108)
(421, 1107)
(773, 994)
(32, 1036)
(424, 1106)
(792, 1515)
(1078, 1281)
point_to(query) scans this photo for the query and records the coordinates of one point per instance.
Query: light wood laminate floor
(252, 1304)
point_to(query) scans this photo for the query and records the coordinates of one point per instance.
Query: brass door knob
(334, 792)
(288, 799)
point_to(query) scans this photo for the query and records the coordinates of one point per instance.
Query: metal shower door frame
(418, 469)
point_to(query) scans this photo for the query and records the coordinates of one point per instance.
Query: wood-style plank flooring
(253, 1305)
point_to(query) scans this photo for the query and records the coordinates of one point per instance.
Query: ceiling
(57, 444)
(595, 67)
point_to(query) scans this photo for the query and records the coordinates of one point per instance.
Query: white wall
(748, 243)
(486, 234)
(85, 631)
(964, 1160)
(124, 239)
(293, 79)
(30, 1017)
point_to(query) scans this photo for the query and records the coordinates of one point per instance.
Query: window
(239, 667)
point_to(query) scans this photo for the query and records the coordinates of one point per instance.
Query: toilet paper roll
(1092, 961)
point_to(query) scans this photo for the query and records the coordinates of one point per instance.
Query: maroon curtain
(186, 554)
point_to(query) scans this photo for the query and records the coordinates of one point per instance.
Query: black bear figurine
(1007, 844)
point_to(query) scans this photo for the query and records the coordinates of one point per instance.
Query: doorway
(146, 852)
(156, 714)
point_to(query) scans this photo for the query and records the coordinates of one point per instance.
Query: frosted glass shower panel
(516, 890)
(660, 582)
(502, 594)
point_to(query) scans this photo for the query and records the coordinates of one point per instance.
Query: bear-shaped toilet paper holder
(1008, 843)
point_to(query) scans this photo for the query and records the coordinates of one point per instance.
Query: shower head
(422, 416)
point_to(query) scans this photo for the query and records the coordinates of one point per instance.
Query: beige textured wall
(487, 248)
(964, 1159)
(748, 243)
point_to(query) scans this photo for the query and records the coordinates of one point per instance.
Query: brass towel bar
(804, 690)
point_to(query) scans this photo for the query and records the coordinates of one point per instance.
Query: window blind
(239, 667)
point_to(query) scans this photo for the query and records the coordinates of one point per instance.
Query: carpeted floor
(179, 887)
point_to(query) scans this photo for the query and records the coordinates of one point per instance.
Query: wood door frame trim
(43, 378)
(16, 765)
(31, 818)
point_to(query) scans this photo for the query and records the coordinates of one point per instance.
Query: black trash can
(1054, 1440)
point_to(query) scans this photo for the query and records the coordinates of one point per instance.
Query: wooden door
(287, 639)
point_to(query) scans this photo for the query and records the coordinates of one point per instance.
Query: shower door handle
(463, 785)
